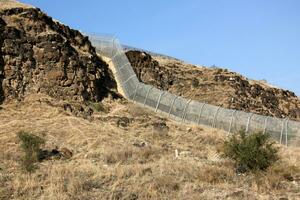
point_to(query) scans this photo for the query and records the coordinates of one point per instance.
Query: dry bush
(132, 155)
(5, 191)
(138, 111)
(118, 156)
(165, 183)
(214, 174)
(277, 175)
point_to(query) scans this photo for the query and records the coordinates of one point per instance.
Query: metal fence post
(248, 122)
(135, 92)
(184, 110)
(113, 47)
(201, 109)
(159, 98)
(286, 131)
(215, 117)
(282, 129)
(147, 94)
(172, 103)
(231, 121)
(265, 127)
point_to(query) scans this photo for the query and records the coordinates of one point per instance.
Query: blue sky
(259, 38)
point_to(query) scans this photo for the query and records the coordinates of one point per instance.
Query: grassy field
(126, 152)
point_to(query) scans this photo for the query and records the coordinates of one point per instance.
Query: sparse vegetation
(97, 107)
(127, 163)
(30, 144)
(251, 152)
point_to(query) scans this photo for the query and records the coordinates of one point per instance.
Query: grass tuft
(30, 144)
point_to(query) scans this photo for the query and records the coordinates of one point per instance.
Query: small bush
(30, 144)
(251, 152)
(98, 107)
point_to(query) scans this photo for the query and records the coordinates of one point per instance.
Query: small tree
(251, 152)
(30, 144)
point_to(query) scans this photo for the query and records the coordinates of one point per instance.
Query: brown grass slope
(127, 152)
(214, 86)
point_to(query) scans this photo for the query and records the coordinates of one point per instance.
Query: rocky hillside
(120, 151)
(214, 86)
(40, 55)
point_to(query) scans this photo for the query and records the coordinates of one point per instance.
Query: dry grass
(8, 4)
(134, 161)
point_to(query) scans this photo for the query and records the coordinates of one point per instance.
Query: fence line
(285, 131)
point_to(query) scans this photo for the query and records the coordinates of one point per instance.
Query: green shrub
(97, 107)
(251, 152)
(30, 144)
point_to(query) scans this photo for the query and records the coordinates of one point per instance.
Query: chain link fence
(285, 131)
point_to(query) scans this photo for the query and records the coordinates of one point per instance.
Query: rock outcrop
(214, 86)
(40, 55)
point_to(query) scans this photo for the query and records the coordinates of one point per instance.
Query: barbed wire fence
(285, 131)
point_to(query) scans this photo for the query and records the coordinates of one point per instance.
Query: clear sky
(257, 38)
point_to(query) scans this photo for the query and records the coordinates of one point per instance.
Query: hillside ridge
(215, 86)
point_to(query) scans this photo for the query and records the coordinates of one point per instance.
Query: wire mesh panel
(208, 115)
(103, 44)
(257, 123)
(129, 86)
(165, 102)
(224, 118)
(124, 74)
(141, 93)
(275, 127)
(120, 59)
(240, 121)
(293, 133)
(192, 112)
(177, 109)
(153, 97)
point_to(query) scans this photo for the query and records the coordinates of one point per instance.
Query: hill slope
(125, 152)
(214, 86)
(40, 55)
(120, 151)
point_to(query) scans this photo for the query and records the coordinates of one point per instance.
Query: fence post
(135, 92)
(147, 94)
(286, 131)
(282, 129)
(248, 122)
(201, 109)
(162, 93)
(172, 103)
(215, 117)
(113, 47)
(184, 110)
(231, 121)
(266, 121)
